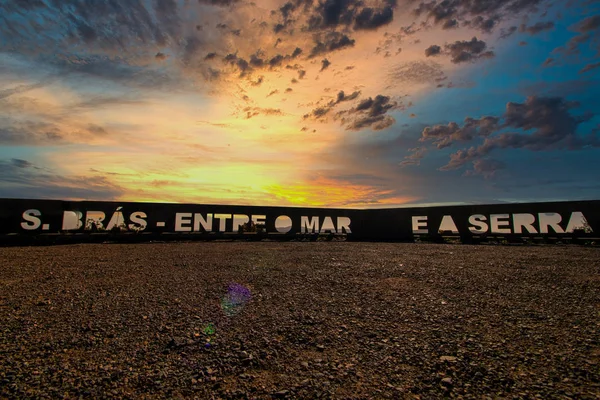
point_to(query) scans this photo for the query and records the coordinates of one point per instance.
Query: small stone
(320, 347)
(448, 358)
(304, 364)
(281, 393)
(447, 381)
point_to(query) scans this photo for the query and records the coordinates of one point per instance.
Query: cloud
(433, 50)
(370, 113)
(589, 67)
(341, 97)
(444, 135)
(4, 93)
(254, 111)
(371, 19)
(468, 51)
(505, 33)
(415, 158)
(487, 167)
(416, 72)
(481, 15)
(462, 50)
(325, 63)
(31, 133)
(549, 119)
(537, 27)
(349, 13)
(586, 29)
(23, 179)
(331, 41)
(161, 56)
(344, 97)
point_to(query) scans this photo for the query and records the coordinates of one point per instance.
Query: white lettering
(495, 221)
(138, 222)
(343, 224)
(222, 221)
(93, 219)
(550, 219)
(117, 221)
(419, 224)
(205, 223)
(307, 226)
(328, 226)
(33, 222)
(479, 227)
(72, 220)
(180, 220)
(524, 221)
(448, 224)
(239, 220)
(578, 221)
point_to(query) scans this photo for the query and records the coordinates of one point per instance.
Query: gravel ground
(325, 320)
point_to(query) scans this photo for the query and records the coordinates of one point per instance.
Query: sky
(329, 103)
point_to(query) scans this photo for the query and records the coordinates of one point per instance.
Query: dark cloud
(325, 63)
(30, 133)
(276, 61)
(221, 3)
(537, 27)
(297, 52)
(369, 18)
(161, 56)
(445, 135)
(589, 67)
(486, 25)
(21, 163)
(483, 15)
(22, 179)
(450, 24)
(341, 97)
(344, 97)
(505, 33)
(418, 153)
(331, 41)
(586, 29)
(468, 51)
(331, 13)
(589, 24)
(97, 130)
(254, 111)
(256, 61)
(547, 121)
(370, 113)
(210, 56)
(433, 50)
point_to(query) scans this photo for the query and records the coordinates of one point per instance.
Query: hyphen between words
(516, 223)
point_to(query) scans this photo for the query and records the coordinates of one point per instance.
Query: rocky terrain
(303, 320)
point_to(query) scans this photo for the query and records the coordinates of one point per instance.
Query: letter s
(33, 222)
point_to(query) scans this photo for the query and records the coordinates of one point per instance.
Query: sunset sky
(307, 103)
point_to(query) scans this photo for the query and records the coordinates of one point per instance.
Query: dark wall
(43, 218)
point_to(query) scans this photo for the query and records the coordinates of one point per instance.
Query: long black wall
(55, 218)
